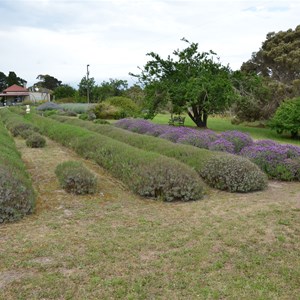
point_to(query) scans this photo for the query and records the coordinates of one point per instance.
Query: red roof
(15, 88)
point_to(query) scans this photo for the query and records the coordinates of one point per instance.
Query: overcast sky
(60, 37)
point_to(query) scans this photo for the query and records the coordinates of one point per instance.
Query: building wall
(37, 96)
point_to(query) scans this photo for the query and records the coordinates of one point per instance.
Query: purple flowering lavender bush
(238, 139)
(222, 145)
(278, 161)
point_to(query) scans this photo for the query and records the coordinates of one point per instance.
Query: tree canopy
(10, 79)
(278, 58)
(195, 82)
(64, 91)
(48, 82)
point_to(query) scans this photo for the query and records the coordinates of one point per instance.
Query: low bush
(49, 106)
(26, 133)
(105, 110)
(17, 197)
(15, 123)
(100, 121)
(78, 108)
(222, 145)
(127, 105)
(35, 141)
(146, 173)
(242, 176)
(194, 157)
(238, 139)
(287, 117)
(19, 127)
(75, 178)
(278, 161)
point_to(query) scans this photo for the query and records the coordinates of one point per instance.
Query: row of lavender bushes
(278, 161)
(17, 197)
(218, 169)
(147, 174)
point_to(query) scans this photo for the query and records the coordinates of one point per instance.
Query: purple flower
(222, 145)
(239, 139)
(199, 138)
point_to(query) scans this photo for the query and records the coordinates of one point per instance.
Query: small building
(16, 94)
(13, 95)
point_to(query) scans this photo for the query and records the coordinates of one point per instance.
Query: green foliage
(35, 140)
(195, 82)
(217, 173)
(79, 108)
(104, 110)
(26, 133)
(64, 91)
(100, 121)
(86, 85)
(17, 128)
(194, 157)
(17, 197)
(48, 82)
(111, 88)
(146, 173)
(49, 106)
(75, 178)
(116, 108)
(12, 78)
(287, 117)
(278, 58)
(89, 115)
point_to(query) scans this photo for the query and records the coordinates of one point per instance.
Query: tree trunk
(199, 116)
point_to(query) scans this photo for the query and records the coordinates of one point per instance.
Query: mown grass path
(115, 245)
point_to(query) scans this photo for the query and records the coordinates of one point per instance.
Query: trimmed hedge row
(146, 173)
(17, 197)
(220, 170)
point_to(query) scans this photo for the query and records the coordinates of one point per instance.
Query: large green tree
(278, 58)
(86, 85)
(48, 82)
(111, 88)
(195, 82)
(12, 78)
(64, 91)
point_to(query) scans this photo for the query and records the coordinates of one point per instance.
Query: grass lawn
(115, 245)
(222, 124)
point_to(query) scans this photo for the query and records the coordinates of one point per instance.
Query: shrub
(238, 139)
(100, 121)
(242, 176)
(146, 173)
(35, 141)
(49, 106)
(75, 178)
(104, 110)
(200, 139)
(90, 116)
(19, 127)
(26, 133)
(222, 145)
(17, 197)
(78, 108)
(193, 157)
(68, 113)
(127, 106)
(278, 161)
(287, 117)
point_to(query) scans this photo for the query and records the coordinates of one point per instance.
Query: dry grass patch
(115, 245)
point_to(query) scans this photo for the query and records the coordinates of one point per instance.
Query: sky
(62, 37)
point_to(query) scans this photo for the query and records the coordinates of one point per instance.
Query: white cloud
(59, 37)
